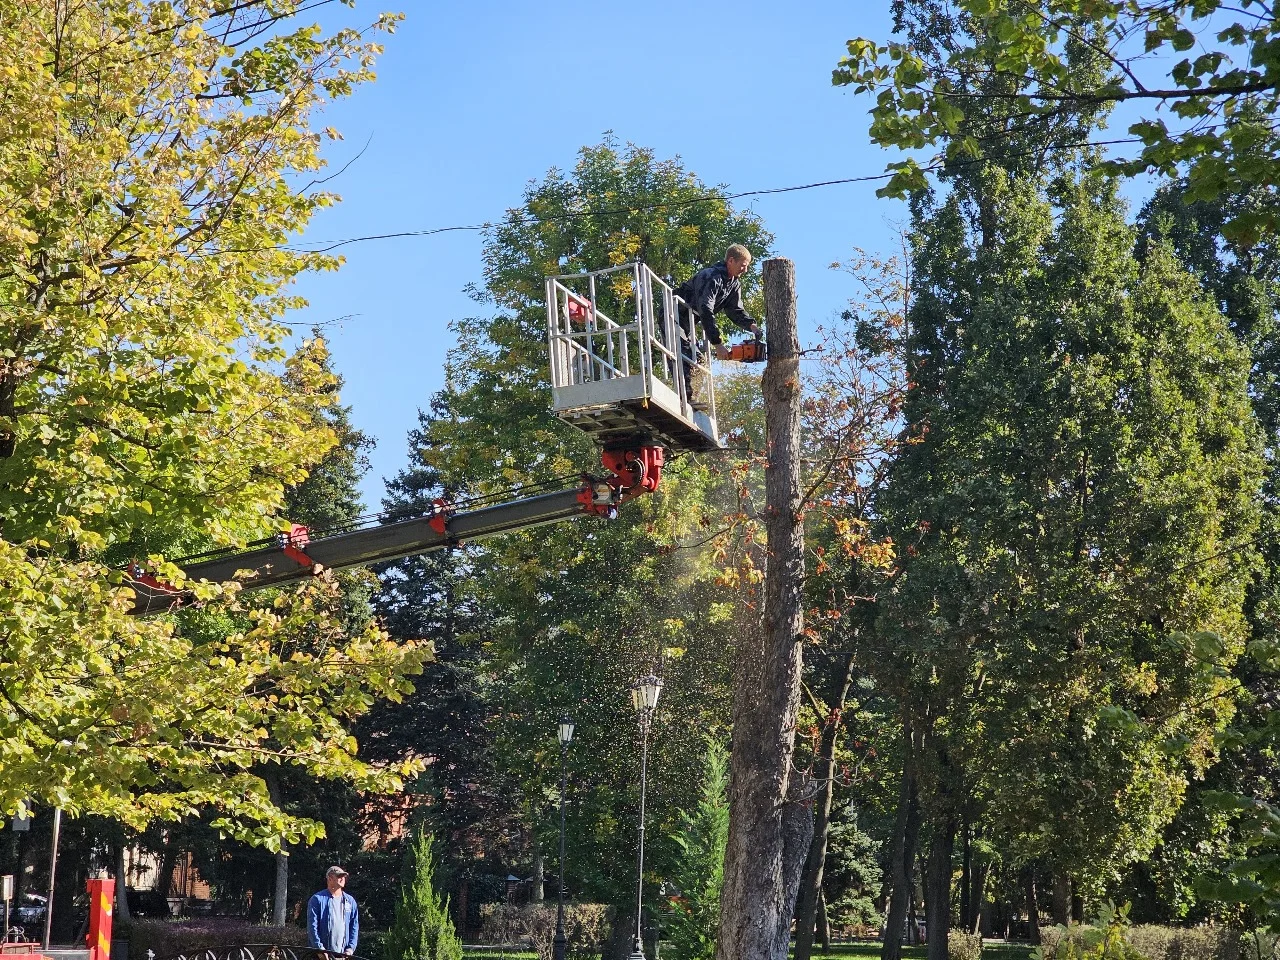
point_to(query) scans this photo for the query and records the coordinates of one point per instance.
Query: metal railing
(626, 321)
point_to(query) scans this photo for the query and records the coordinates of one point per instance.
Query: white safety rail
(617, 337)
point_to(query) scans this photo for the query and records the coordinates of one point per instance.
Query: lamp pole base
(637, 952)
(558, 946)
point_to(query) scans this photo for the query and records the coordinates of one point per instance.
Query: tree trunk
(824, 923)
(280, 899)
(937, 896)
(902, 855)
(978, 896)
(811, 882)
(754, 904)
(539, 874)
(966, 875)
(1061, 903)
(622, 935)
(797, 838)
(168, 862)
(122, 883)
(280, 896)
(1033, 908)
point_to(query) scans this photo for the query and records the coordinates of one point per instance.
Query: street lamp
(558, 946)
(644, 697)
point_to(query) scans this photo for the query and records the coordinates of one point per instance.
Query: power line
(709, 197)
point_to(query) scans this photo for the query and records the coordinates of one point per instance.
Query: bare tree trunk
(1033, 907)
(902, 855)
(755, 904)
(824, 923)
(280, 897)
(978, 895)
(811, 882)
(1061, 903)
(122, 883)
(539, 874)
(797, 838)
(937, 896)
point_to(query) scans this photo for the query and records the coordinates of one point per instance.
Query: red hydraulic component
(101, 890)
(439, 516)
(293, 542)
(635, 471)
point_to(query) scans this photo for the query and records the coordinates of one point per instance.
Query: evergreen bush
(962, 945)
(422, 929)
(692, 909)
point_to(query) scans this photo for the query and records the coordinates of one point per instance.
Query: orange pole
(101, 890)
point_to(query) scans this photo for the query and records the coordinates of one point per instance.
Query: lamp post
(559, 944)
(644, 697)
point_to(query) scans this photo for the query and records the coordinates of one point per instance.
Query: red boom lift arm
(295, 556)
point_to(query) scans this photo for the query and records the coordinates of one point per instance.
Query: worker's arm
(705, 294)
(734, 310)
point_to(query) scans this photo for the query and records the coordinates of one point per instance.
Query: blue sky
(473, 100)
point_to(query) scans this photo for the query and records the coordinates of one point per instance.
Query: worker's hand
(755, 329)
(722, 351)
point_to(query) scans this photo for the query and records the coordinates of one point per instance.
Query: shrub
(1174, 943)
(1110, 938)
(168, 938)
(585, 926)
(422, 929)
(962, 945)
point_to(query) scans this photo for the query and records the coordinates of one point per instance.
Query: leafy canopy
(1213, 66)
(152, 165)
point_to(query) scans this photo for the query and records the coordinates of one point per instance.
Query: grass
(871, 951)
(844, 951)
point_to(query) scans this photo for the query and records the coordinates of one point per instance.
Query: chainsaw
(749, 351)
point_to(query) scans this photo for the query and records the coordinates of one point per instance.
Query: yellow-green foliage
(150, 404)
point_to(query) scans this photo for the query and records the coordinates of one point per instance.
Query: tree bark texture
(280, 899)
(811, 880)
(902, 855)
(824, 923)
(937, 895)
(280, 893)
(977, 895)
(797, 837)
(539, 874)
(1061, 903)
(1033, 908)
(755, 902)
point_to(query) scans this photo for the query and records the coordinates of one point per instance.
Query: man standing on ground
(333, 919)
(715, 289)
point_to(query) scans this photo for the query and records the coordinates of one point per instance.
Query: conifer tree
(422, 929)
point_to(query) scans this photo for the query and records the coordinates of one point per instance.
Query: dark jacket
(710, 291)
(318, 920)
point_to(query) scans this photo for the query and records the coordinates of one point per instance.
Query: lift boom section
(628, 366)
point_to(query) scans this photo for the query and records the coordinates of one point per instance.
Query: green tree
(572, 613)
(692, 914)
(422, 929)
(1212, 65)
(1085, 432)
(150, 156)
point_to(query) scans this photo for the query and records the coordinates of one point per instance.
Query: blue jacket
(318, 920)
(711, 290)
